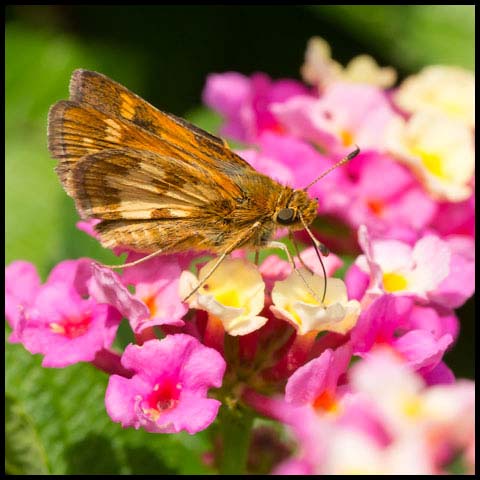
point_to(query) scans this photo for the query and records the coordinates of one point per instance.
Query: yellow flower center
(229, 298)
(289, 308)
(431, 161)
(412, 407)
(307, 297)
(304, 297)
(393, 282)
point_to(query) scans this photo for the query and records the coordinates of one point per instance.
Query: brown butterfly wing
(103, 114)
(155, 181)
(116, 101)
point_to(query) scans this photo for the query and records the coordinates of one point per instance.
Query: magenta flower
(455, 218)
(66, 328)
(245, 102)
(168, 392)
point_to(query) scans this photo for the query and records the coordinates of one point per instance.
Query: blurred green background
(56, 421)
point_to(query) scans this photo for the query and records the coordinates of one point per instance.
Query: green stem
(235, 432)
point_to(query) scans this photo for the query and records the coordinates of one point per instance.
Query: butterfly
(159, 184)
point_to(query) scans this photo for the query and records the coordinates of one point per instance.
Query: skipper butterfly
(160, 184)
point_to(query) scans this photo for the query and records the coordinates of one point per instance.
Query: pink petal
(378, 323)
(294, 466)
(437, 321)
(120, 398)
(459, 285)
(192, 414)
(321, 374)
(421, 349)
(439, 375)
(73, 272)
(22, 283)
(59, 304)
(203, 368)
(357, 282)
(106, 287)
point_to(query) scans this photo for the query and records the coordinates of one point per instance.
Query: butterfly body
(157, 182)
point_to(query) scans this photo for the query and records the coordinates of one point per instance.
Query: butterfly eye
(286, 216)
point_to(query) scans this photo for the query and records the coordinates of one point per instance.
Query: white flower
(294, 302)
(440, 89)
(439, 150)
(234, 294)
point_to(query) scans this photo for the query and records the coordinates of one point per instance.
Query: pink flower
(338, 119)
(384, 323)
(245, 102)
(156, 283)
(315, 383)
(433, 270)
(167, 393)
(106, 287)
(66, 328)
(416, 271)
(22, 284)
(387, 211)
(155, 301)
(442, 415)
(349, 192)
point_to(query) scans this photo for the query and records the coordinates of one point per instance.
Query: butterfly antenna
(333, 167)
(319, 247)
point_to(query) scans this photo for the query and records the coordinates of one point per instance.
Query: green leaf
(24, 452)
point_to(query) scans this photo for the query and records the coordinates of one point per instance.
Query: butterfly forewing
(116, 101)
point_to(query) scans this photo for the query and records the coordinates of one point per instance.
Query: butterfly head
(299, 204)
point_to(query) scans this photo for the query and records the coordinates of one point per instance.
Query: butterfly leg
(297, 251)
(220, 259)
(136, 262)
(274, 244)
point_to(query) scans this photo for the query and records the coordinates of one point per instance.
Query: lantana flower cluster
(357, 377)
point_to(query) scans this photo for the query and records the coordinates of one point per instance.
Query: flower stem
(235, 432)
